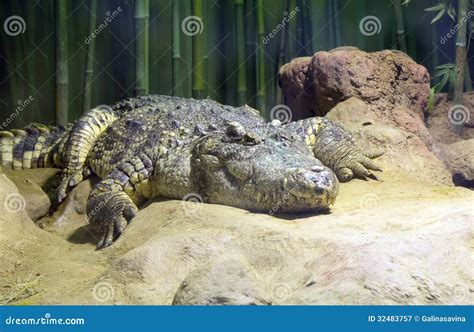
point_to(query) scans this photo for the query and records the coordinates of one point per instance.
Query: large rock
(440, 120)
(395, 241)
(404, 151)
(385, 80)
(29, 184)
(16, 228)
(297, 85)
(459, 157)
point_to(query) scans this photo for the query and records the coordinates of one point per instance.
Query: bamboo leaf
(452, 12)
(436, 8)
(438, 16)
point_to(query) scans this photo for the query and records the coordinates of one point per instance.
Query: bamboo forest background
(54, 64)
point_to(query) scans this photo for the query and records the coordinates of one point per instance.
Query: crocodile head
(261, 169)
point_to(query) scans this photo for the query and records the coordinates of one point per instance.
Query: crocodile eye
(251, 138)
(235, 130)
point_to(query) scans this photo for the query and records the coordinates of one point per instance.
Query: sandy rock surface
(394, 241)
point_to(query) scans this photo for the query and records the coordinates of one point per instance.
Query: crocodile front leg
(335, 148)
(113, 202)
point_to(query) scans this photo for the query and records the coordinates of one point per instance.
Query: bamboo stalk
(307, 29)
(176, 61)
(434, 42)
(337, 24)
(332, 32)
(62, 79)
(282, 51)
(260, 65)
(292, 32)
(400, 27)
(460, 58)
(240, 46)
(361, 39)
(205, 55)
(141, 47)
(467, 77)
(198, 64)
(89, 71)
(32, 60)
(251, 48)
(187, 53)
(299, 30)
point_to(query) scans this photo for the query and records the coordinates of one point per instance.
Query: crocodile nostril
(311, 176)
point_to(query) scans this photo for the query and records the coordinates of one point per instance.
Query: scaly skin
(160, 146)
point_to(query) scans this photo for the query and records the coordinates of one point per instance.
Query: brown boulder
(459, 157)
(438, 120)
(297, 86)
(382, 79)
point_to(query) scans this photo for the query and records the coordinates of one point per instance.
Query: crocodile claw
(358, 163)
(110, 213)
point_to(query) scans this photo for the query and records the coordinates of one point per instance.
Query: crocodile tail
(83, 135)
(35, 146)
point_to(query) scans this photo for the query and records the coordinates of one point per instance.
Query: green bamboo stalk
(176, 61)
(360, 13)
(434, 50)
(400, 27)
(299, 29)
(198, 63)
(460, 59)
(14, 54)
(251, 48)
(89, 71)
(187, 52)
(307, 29)
(292, 32)
(467, 77)
(240, 46)
(260, 65)
(62, 76)
(282, 51)
(337, 24)
(332, 32)
(205, 56)
(32, 60)
(141, 47)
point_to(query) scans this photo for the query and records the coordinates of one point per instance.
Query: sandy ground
(58, 264)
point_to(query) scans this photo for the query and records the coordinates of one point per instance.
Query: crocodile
(172, 147)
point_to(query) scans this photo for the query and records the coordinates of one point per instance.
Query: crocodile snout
(312, 188)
